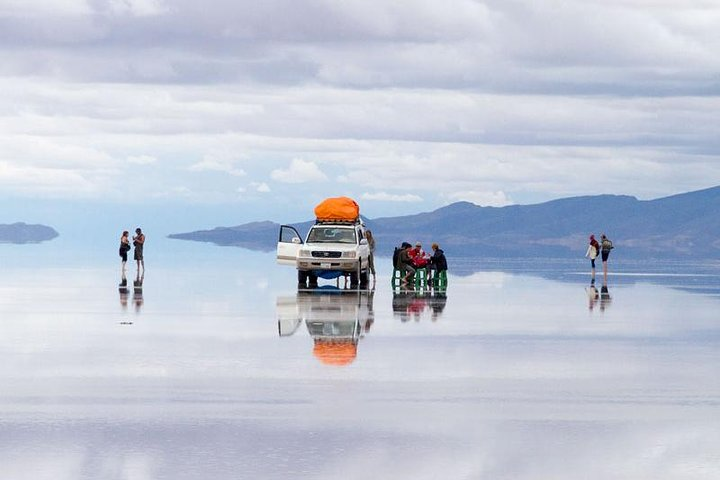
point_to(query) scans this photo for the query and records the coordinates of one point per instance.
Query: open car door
(289, 243)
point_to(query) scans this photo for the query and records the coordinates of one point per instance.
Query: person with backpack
(404, 265)
(397, 251)
(592, 253)
(605, 246)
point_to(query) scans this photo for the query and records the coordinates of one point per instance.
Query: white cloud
(141, 159)
(217, 163)
(485, 199)
(450, 103)
(43, 7)
(140, 8)
(48, 182)
(260, 187)
(299, 171)
(390, 197)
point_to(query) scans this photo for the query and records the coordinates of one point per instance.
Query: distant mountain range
(680, 226)
(24, 233)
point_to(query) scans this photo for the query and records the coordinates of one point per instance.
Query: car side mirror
(295, 240)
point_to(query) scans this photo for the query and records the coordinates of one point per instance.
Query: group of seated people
(409, 259)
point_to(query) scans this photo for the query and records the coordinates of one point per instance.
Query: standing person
(605, 245)
(592, 253)
(139, 242)
(124, 248)
(438, 261)
(371, 257)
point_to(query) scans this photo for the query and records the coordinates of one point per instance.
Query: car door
(363, 248)
(288, 246)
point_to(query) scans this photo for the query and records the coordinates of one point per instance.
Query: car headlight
(349, 254)
(304, 253)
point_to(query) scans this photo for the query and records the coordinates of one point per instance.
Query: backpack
(607, 244)
(396, 254)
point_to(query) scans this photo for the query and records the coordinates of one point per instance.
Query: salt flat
(218, 370)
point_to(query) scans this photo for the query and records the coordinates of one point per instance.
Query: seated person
(419, 257)
(404, 264)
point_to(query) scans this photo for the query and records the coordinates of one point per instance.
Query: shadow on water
(335, 318)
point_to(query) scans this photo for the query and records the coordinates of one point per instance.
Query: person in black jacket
(438, 262)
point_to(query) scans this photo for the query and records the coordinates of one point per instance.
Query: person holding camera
(139, 243)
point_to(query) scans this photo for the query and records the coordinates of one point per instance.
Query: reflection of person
(124, 248)
(138, 291)
(400, 302)
(408, 305)
(592, 253)
(139, 243)
(123, 290)
(604, 297)
(605, 246)
(371, 257)
(370, 319)
(593, 296)
(437, 305)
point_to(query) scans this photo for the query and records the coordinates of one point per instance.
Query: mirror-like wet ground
(217, 367)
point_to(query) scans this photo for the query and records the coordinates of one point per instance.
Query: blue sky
(189, 114)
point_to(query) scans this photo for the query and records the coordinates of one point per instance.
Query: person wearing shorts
(139, 243)
(605, 247)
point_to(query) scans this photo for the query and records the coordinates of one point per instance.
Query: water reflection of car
(414, 305)
(336, 320)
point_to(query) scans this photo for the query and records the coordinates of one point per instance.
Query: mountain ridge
(684, 225)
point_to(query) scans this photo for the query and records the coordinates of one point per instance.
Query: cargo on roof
(338, 209)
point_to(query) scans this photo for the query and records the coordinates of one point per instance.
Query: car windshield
(331, 235)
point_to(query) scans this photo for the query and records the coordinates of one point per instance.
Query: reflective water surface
(213, 365)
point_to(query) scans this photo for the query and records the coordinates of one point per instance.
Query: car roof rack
(333, 221)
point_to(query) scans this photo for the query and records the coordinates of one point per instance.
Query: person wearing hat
(139, 243)
(592, 252)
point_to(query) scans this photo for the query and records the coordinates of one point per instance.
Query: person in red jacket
(419, 257)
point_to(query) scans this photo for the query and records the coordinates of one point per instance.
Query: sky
(184, 115)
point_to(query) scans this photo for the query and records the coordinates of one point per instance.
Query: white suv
(331, 249)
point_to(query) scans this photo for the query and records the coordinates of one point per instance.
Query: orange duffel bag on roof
(339, 208)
